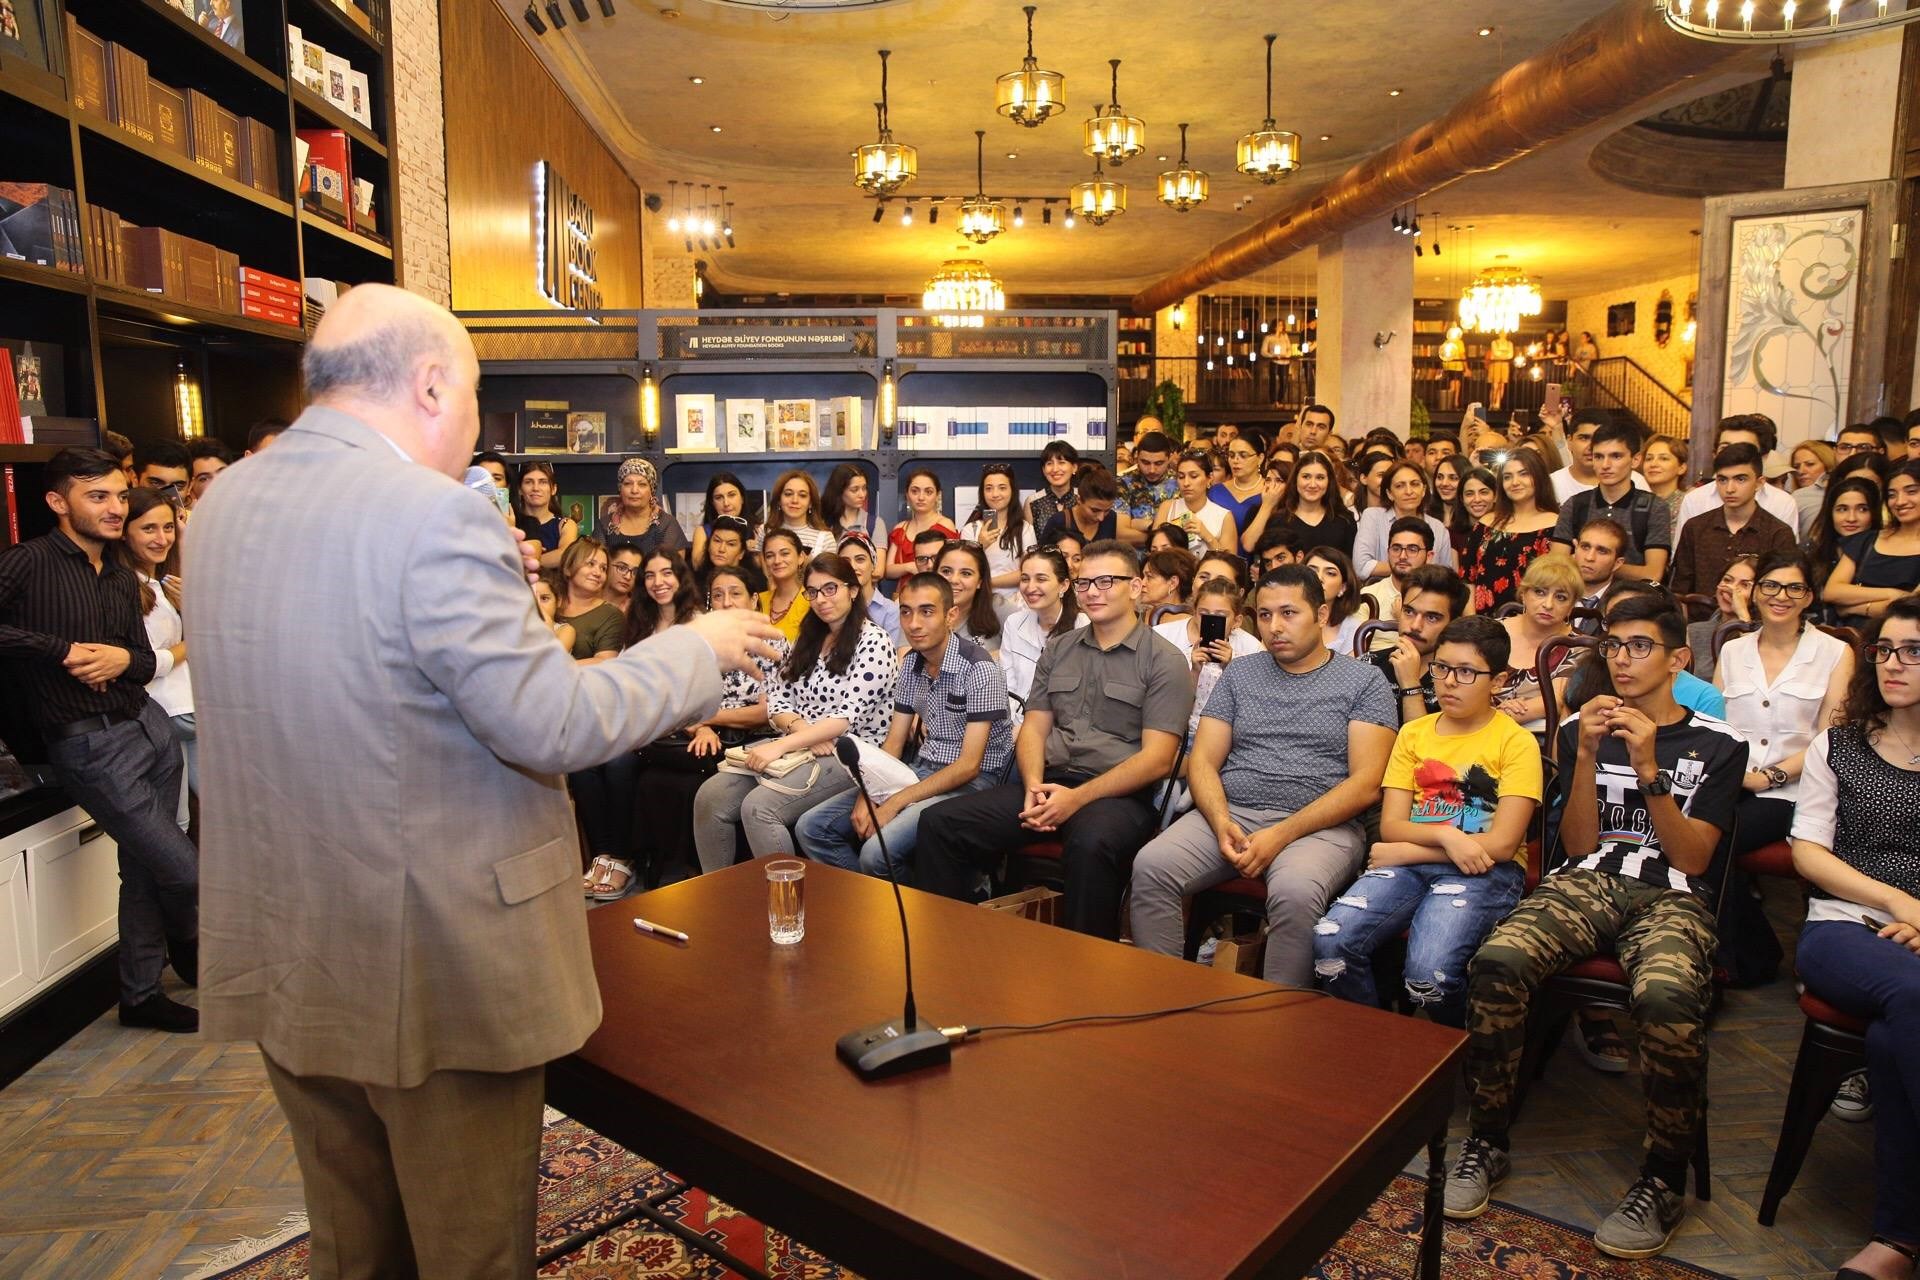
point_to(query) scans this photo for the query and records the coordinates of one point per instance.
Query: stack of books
(178, 267)
(40, 224)
(264, 296)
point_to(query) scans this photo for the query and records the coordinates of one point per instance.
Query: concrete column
(1365, 288)
(1846, 100)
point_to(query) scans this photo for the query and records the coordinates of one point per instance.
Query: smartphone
(1474, 410)
(1550, 407)
(1213, 629)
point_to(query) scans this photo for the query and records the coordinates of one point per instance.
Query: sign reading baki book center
(567, 277)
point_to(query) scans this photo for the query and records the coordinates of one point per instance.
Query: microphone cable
(959, 1034)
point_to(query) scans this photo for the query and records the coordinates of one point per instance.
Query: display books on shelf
(687, 509)
(846, 423)
(231, 29)
(543, 427)
(312, 67)
(33, 396)
(579, 508)
(793, 425)
(746, 426)
(694, 425)
(360, 97)
(337, 69)
(586, 431)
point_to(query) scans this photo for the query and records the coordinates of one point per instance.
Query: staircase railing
(1623, 384)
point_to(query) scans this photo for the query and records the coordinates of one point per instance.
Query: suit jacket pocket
(527, 875)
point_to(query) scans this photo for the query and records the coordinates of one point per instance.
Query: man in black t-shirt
(1649, 792)
(1433, 596)
(1614, 454)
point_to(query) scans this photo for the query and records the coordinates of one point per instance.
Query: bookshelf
(111, 323)
(1133, 363)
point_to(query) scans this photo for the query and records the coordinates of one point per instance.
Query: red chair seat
(1603, 968)
(1774, 859)
(1820, 1011)
(1052, 850)
(1242, 887)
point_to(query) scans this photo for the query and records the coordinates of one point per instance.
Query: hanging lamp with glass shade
(1267, 153)
(884, 166)
(1500, 296)
(1099, 199)
(1111, 133)
(1183, 187)
(1030, 95)
(961, 292)
(981, 217)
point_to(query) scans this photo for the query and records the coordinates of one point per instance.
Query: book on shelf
(10, 494)
(203, 128)
(330, 172)
(87, 59)
(337, 70)
(40, 224)
(360, 98)
(263, 157)
(793, 429)
(129, 104)
(312, 67)
(10, 426)
(543, 427)
(39, 377)
(44, 429)
(227, 137)
(694, 424)
(272, 315)
(746, 426)
(267, 280)
(170, 127)
(586, 431)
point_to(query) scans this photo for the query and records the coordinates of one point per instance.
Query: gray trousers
(1305, 876)
(764, 813)
(434, 1181)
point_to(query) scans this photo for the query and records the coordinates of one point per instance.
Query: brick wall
(420, 145)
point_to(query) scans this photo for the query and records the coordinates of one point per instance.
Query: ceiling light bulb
(1069, 219)
(1019, 216)
(1393, 93)
(906, 215)
(698, 79)
(714, 127)
(1486, 31)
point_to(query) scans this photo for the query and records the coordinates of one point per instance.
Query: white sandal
(604, 891)
(596, 872)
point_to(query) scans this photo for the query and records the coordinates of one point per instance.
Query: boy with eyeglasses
(1461, 786)
(1649, 788)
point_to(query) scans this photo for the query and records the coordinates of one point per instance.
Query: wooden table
(1240, 1141)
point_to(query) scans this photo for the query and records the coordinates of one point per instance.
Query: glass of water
(786, 900)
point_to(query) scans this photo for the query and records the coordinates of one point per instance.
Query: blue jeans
(1450, 914)
(825, 832)
(127, 778)
(1854, 969)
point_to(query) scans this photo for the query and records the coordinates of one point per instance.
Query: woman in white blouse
(999, 525)
(1217, 598)
(1783, 684)
(1048, 609)
(150, 548)
(838, 679)
(1208, 525)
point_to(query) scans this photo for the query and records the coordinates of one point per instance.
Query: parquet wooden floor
(129, 1154)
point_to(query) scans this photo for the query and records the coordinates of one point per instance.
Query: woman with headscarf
(636, 516)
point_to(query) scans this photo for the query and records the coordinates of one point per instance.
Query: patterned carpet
(587, 1179)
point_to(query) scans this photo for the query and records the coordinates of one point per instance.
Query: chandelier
(1267, 153)
(885, 166)
(1183, 187)
(1783, 20)
(960, 292)
(1028, 96)
(1112, 133)
(981, 217)
(1099, 199)
(1498, 297)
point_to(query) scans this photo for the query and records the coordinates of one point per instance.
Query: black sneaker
(161, 1014)
(1644, 1222)
(184, 955)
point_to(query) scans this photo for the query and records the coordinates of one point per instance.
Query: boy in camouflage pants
(1651, 789)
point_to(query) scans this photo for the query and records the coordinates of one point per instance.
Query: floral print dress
(1495, 561)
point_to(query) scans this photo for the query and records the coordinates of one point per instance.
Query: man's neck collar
(1613, 499)
(1108, 634)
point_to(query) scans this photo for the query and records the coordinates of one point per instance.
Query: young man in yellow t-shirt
(1460, 788)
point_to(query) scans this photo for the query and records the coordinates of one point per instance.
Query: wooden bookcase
(119, 348)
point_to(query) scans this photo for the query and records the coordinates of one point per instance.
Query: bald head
(402, 365)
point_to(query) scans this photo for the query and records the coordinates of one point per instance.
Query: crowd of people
(1516, 695)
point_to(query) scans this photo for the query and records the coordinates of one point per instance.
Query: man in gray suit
(389, 885)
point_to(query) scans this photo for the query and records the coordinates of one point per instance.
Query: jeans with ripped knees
(1449, 914)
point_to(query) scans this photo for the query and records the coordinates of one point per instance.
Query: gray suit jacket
(390, 875)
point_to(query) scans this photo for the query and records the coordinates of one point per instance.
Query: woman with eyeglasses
(623, 576)
(1406, 490)
(785, 561)
(1196, 510)
(537, 521)
(1342, 588)
(999, 524)
(1549, 589)
(921, 489)
(964, 566)
(1732, 602)
(597, 625)
(1874, 571)
(1312, 506)
(1855, 829)
(1239, 493)
(726, 496)
(1517, 533)
(838, 679)
(1047, 609)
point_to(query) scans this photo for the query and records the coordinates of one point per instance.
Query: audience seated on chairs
(1257, 812)
(1758, 430)
(964, 566)
(1059, 461)
(1877, 569)
(1409, 547)
(1854, 837)
(1206, 524)
(1277, 546)
(1709, 542)
(1689, 690)
(597, 625)
(784, 558)
(1092, 514)
(1405, 489)
(860, 552)
(1461, 787)
(838, 679)
(1103, 725)
(1597, 550)
(1649, 788)
(1047, 609)
(1342, 591)
(1619, 495)
(1732, 602)
(1434, 597)
(1166, 580)
(907, 541)
(1548, 591)
(726, 548)
(956, 692)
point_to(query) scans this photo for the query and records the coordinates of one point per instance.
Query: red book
(13, 509)
(276, 315)
(269, 281)
(10, 429)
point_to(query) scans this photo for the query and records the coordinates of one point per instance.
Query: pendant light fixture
(1499, 297)
(1267, 153)
(961, 292)
(1183, 187)
(1030, 95)
(1099, 199)
(884, 166)
(1111, 134)
(981, 217)
(673, 207)
(1782, 22)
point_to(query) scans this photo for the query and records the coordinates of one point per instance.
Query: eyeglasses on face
(1102, 584)
(1844, 449)
(1241, 455)
(1458, 675)
(1768, 588)
(1636, 647)
(622, 570)
(825, 591)
(1879, 654)
(1405, 548)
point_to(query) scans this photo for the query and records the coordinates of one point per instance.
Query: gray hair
(376, 364)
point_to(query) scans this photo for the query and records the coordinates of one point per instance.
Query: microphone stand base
(889, 1048)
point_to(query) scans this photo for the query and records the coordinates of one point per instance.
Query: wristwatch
(1662, 784)
(1776, 776)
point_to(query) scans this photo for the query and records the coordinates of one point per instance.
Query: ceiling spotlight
(1436, 248)
(1069, 219)
(1486, 31)
(1019, 216)
(906, 215)
(1326, 137)
(879, 211)
(933, 215)
(1416, 224)
(696, 79)
(555, 16)
(1046, 215)
(532, 15)
(580, 10)
(1393, 93)
(1013, 155)
(714, 128)
(1396, 220)
(1416, 249)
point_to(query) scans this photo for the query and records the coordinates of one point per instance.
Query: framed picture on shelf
(746, 426)
(586, 432)
(695, 428)
(579, 508)
(359, 98)
(337, 70)
(543, 427)
(225, 18)
(793, 426)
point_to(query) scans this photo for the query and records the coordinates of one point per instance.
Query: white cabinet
(59, 902)
(18, 966)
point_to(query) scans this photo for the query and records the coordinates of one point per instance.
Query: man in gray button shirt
(1289, 752)
(1103, 722)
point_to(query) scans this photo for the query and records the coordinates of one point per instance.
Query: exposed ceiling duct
(1623, 57)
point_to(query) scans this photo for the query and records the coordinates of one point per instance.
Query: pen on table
(660, 930)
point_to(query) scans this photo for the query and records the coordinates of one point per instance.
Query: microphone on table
(480, 482)
(903, 1043)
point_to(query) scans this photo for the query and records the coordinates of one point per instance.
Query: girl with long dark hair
(1048, 609)
(921, 489)
(1519, 531)
(964, 566)
(844, 503)
(1312, 505)
(999, 525)
(666, 596)
(726, 496)
(1877, 569)
(795, 506)
(150, 546)
(784, 558)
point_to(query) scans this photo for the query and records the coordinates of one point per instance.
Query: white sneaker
(1853, 1102)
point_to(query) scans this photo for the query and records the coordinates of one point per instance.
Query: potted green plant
(1170, 408)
